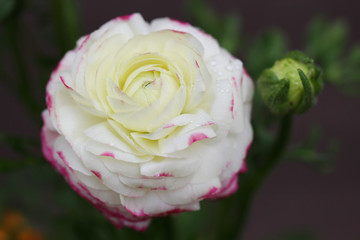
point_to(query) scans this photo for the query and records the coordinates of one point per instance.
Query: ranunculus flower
(147, 119)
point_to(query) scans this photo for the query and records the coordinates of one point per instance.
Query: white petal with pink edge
(148, 119)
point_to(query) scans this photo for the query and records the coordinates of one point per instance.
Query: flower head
(291, 84)
(146, 119)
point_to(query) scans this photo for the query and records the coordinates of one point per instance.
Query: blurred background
(297, 197)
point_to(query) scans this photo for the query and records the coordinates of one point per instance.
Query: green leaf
(231, 34)
(350, 83)
(226, 29)
(66, 19)
(309, 153)
(325, 40)
(308, 99)
(6, 7)
(265, 49)
(342, 70)
(204, 16)
(274, 91)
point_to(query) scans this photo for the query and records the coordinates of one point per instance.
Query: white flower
(146, 119)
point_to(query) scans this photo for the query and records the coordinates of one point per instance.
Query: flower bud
(291, 84)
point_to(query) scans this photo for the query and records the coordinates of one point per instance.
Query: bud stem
(278, 147)
(169, 228)
(252, 180)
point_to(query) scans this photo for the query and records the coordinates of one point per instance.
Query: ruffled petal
(145, 120)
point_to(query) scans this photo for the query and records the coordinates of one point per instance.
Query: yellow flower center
(146, 77)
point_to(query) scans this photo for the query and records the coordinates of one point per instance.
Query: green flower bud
(290, 86)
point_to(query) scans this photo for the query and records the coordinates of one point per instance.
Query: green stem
(24, 88)
(169, 228)
(251, 181)
(278, 147)
(65, 16)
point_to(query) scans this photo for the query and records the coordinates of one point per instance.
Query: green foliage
(328, 43)
(6, 7)
(226, 29)
(231, 34)
(204, 16)
(349, 82)
(265, 49)
(66, 19)
(308, 152)
(308, 99)
(20, 85)
(275, 91)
